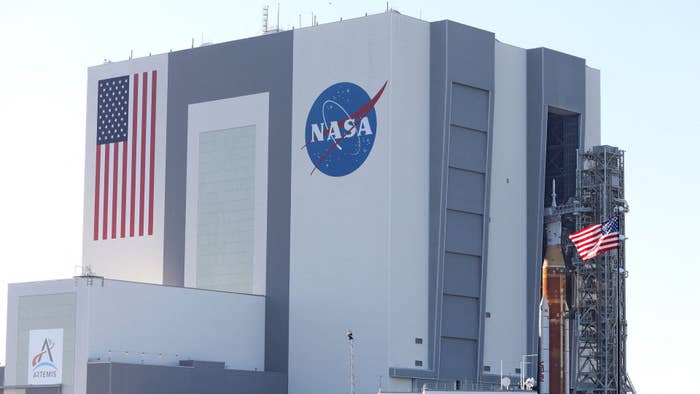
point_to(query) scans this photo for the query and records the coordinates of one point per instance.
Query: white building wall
(409, 192)
(161, 325)
(506, 271)
(138, 258)
(359, 242)
(592, 136)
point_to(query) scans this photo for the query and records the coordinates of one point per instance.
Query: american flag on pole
(597, 238)
(125, 156)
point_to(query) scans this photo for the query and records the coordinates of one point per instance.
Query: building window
(419, 363)
(419, 341)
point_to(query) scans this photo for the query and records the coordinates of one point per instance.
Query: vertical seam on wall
(485, 231)
(443, 219)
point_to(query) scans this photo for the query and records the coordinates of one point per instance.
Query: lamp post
(352, 367)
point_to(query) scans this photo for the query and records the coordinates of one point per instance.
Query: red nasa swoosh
(364, 110)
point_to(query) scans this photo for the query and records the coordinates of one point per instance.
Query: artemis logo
(341, 128)
(45, 356)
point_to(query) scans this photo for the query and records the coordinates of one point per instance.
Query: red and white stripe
(590, 241)
(124, 171)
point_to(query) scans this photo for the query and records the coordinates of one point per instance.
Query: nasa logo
(341, 128)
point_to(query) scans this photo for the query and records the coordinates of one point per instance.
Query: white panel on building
(226, 216)
(506, 272)
(125, 179)
(45, 361)
(409, 142)
(592, 136)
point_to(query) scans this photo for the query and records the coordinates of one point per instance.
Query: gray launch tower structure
(599, 321)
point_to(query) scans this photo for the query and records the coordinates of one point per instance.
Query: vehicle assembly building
(287, 214)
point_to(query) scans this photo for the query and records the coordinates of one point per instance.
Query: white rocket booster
(543, 368)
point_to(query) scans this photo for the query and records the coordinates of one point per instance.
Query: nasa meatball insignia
(341, 128)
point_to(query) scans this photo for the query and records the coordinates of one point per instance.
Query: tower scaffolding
(600, 325)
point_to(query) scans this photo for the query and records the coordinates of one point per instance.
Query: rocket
(554, 342)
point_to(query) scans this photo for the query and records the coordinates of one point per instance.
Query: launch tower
(600, 325)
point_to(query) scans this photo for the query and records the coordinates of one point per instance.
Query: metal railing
(468, 386)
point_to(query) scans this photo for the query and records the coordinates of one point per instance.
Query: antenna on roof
(265, 18)
(348, 333)
(87, 270)
(131, 54)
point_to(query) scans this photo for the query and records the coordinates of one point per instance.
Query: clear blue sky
(647, 51)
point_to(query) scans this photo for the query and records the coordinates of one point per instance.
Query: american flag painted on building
(125, 156)
(598, 238)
